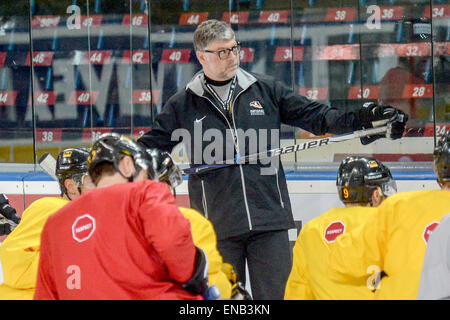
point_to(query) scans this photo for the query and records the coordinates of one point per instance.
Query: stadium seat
(32, 6)
(143, 6)
(186, 5)
(77, 80)
(127, 82)
(111, 112)
(399, 35)
(100, 40)
(97, 6)
(11, 43)
(49, 79)
(172, 37)
(146, 42)
(3, 78)
(55, 41)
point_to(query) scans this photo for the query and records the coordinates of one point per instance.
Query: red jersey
(126, 241)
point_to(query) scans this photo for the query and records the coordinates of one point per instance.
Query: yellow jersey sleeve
(298, 285)
(205, 238)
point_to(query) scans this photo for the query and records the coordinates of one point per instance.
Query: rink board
(311, 193)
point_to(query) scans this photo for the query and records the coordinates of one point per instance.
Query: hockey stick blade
(48, 164)
(307, 145)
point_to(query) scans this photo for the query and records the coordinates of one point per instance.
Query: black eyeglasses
(225, 53)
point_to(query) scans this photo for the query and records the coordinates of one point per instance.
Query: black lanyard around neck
(226, 104)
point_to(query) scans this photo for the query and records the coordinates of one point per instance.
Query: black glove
(7, 211)
(5, 227)
(198, 283)
(372, 115)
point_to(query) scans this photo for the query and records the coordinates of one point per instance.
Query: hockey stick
(307, 145)
(48, 164)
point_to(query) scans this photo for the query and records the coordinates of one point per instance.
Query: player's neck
(348, 205)
(109, 180)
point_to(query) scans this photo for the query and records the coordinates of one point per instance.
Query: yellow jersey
(309, 278)
(393, 240)
(204, 237)
(19, 252)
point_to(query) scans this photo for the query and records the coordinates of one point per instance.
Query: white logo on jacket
(257, 108)
(83, 227)
(199, 120)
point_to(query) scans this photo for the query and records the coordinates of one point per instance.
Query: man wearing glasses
(248, 204)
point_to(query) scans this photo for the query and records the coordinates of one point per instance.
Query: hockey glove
(7, 211)
(238, 291)
(372, 115)
(198, 283)
(5, 227)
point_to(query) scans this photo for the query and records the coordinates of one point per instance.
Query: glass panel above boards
(71, 70)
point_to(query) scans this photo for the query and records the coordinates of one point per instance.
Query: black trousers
(269, 258)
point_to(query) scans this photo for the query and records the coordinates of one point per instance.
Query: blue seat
(127, 82)
(32, 6)
(100, 40)
(97, 6)
(55, 40)
(186, 5)
(143, 6)
(77, 80)
(11, 43)
(49, 79)
(351, 64)
(111, 111)
(300, 65)
(399, 31)
(3, 78)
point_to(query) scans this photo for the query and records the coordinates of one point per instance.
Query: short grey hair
(209, 31)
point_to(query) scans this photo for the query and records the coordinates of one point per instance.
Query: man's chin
(232, 72)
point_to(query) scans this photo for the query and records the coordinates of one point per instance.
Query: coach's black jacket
(239, 198)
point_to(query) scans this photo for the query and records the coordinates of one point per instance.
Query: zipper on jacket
(245, 198)
(204, 203)
(244, 190)
(279, 190)
(236, 145)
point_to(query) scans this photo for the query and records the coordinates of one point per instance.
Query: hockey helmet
(71, 164)
(112, 147)
(165, 168)
(441, 156)
(358, 177)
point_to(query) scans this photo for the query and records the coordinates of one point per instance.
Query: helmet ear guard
(165, 168)
(441, 158)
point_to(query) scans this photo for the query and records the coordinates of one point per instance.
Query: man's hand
(7, 211)
(372, 115)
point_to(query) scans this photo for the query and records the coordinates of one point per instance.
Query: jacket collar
(244, 80)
